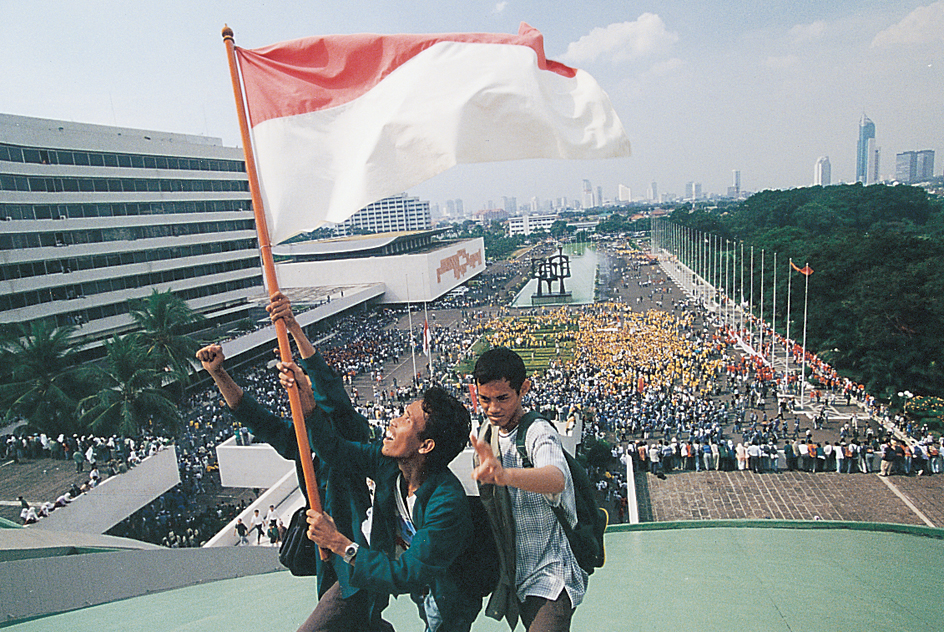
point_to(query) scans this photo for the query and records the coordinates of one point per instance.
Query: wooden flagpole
(272, 283)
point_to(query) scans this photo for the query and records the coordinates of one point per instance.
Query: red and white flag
(341, 121)
(427, 338)
(805, 270)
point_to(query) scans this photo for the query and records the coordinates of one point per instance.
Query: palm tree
(130, 398)
(41, 378)
(162, 318)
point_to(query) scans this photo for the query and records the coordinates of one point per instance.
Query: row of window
(19, 241)
(73, 264)
(119, 209)
(66, 184)
(82, 316)
(19, 300)
(16, 153)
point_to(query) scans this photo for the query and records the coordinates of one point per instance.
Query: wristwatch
(350, 552)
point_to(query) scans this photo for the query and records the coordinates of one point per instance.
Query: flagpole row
(272, 283)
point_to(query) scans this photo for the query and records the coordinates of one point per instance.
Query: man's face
(402, 437)
(501, 403)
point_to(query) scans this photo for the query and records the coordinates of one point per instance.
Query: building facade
(914, 166)
(95, 216)
(822, 172)
(527, 224)
(391, 214)
(865, 151)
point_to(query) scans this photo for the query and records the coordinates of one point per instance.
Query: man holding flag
(332, 124)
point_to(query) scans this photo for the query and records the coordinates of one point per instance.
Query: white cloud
(499, 7)
(623, 41)
(802, 33)
(922, 26)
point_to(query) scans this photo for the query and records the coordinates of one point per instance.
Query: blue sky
(702, 87)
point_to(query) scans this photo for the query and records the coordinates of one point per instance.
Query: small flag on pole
(805, 270)
(427, 338)
(341, 121)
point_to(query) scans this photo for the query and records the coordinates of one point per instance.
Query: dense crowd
(664, 387)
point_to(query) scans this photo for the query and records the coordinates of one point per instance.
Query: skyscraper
(653, 192)
(914, 166)
(865, 150)
(822, 172)
(625, 194)
(587, 195)
(925, 165)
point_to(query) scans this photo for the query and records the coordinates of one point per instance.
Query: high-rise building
(693, 191)
(97, 216)
(914, 166)
(599, 197)
(874, 155)
(822, 172)
(587, 195)
(391, 214)
(511, 205)
(865, 150)
(625, 194)
(652, 194)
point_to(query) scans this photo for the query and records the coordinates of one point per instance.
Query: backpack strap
(523, 424)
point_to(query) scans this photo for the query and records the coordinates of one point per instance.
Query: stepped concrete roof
(706, 575)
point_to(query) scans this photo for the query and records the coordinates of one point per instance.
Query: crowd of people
(661, 385)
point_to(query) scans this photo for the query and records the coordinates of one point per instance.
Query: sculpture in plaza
(547, 271)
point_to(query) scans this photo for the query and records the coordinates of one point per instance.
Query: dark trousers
(543, 615)
(336, 614)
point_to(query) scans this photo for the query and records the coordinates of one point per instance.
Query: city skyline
(703, 89)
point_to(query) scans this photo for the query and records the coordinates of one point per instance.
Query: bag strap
(523, 424)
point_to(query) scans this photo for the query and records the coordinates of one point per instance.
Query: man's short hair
(500, 363)
(448, 424)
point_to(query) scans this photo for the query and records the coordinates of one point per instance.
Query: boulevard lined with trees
(876, 294)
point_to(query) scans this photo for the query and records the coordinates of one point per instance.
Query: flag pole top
(227, 32)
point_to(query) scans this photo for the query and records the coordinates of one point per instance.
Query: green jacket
(443, 524)
(343, 498)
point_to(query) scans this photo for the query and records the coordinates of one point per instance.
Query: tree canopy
(876, 297)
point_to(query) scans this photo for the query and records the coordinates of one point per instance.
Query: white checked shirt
(544, 561)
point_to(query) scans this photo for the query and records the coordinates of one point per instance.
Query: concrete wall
(38, 587)
(117, 497)
(256, 465)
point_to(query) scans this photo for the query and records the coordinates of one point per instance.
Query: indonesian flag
(805, 270)
(427, 338)
(341, 121)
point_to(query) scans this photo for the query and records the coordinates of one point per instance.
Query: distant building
(97, 216)
(527, 224)
(866, 160)
(625, 194)
(587, 199)
(914, 166)
(875, 155)
(693, 191)
(652, 194)
(822, 172)
(392, 214)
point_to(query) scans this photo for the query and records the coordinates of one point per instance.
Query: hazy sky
(702, 87)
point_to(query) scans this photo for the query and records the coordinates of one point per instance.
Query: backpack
(586, 537)
(479, 565)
